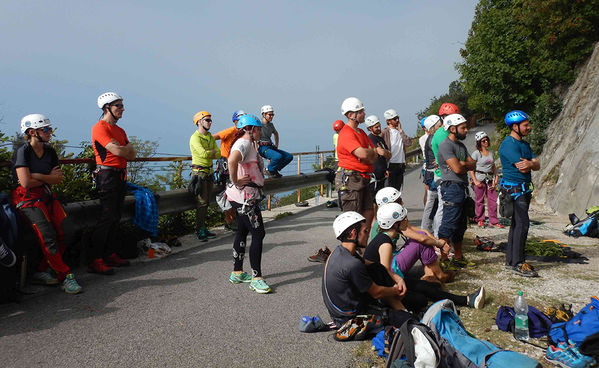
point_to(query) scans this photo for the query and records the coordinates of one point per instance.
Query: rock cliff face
(569, 177)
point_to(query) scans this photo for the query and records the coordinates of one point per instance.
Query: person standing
(484, 181)
(517, 161)
(431, 124)
(269, 150)
(337, 126)
(112, 150)
(455, 163)
(203, 150)
(398, 142)
(245, 194)
(380, 165)
(36, 169)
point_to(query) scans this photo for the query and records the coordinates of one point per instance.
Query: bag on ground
(538, 323)
(582, 325)
(415, 343)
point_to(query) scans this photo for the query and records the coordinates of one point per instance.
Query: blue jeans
(454, 223)
(278, 158)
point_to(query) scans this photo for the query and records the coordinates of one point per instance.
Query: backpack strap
(484, 364)
(406, 332)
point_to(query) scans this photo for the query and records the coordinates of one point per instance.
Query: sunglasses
(208, 120)
(46, 129)
(270, 114)
(118, 106)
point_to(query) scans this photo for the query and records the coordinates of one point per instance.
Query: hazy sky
(172, 59)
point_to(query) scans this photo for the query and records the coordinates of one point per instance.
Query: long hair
(241, 132)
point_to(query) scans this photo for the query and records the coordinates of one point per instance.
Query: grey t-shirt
(267, 130)
(484, 164)
(450, 149)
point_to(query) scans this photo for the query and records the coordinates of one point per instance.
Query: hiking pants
(439, 214)
(396, 171)
(420, 292)
(454, 223)
(278, 158)
(514, 253)
(111, 189)
(427, 215)
(480, 193)
(203, 199)
(248, 223)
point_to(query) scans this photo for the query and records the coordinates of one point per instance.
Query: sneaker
(44, 278)
(202, 236)
(462, 263)
(498, 225)
(321, 255)
(524, 269)
(260, 286)
(114, 260)
(447, 265)
(562, 356)
(572, 348)
(209, 234)
(98, 266)
(7, 256)
(238, 278)
(481, 224)
(476, 300)
(70, 285)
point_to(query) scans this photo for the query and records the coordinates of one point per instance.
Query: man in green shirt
(203, 150)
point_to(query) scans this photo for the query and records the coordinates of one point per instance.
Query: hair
(241, 132)
(479, 144)
(345, 234)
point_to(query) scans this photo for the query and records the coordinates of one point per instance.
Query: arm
(367, 155)
(525, 166)
(383, 152)
(474, 179)
(461, 167)
(54, 177)
(386, 255)
(276, 134)
(407, 141)
(379, 292)
(25, 178)
(127, 152)
(215, 150)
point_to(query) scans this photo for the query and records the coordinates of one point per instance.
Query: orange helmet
(448, 108)
(199, 116)
(337, 125)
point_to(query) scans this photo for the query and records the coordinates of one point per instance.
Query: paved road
(181, 311)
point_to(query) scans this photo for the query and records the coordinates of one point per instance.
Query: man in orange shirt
(356, 156)
(112, 149)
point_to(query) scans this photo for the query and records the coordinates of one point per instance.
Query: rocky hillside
(569, 177)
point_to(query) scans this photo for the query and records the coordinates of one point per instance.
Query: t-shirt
(251, 165)
(371, 253)
(398, 155)
(439, 137)
(510, 152)
(450, 149)
(24, 156)
(380, 165)
(102, 134)
(226, 140)
(267, 131)
(345, 284)
(484, 164)
(349, 140)
(200, 146)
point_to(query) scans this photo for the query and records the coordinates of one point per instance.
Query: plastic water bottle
(521, 319)
(316, 198)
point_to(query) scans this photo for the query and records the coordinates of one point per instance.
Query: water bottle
(521, 319)
(316, 198)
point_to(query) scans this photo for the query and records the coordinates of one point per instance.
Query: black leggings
(250, 223)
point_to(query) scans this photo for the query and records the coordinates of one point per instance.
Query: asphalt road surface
(181, 311)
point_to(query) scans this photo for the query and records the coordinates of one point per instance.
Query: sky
(171, 59)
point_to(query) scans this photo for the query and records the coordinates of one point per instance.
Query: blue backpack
(462, 350)
(583, 324)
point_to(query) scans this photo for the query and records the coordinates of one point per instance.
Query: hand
(56, 171)
(400, 288)
(380, 151)
(478, 183)
(524, 165)
(243, 181)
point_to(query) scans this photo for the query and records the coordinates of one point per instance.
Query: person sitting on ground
(269, 150)
(203, 150)
(36, 169)
(393, 219)
(347, 287)
(245, 194)
(484, 181)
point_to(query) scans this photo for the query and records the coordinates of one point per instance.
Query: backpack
(538, 323)
(9, 232)
(459, 349)
(582, 325)
(417, 343)
(588, 226)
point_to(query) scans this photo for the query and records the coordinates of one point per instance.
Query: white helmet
(107, 97)
(430, 121)
(34, 121)
(390, 213)
(372, 120)
(480, 135)
(351, 104)
(266, 108)
(387, 195)
(453, 120)
(345, 220)
(390, 114)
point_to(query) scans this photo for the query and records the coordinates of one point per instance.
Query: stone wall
(569, 177)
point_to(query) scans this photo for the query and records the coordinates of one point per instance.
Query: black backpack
(403, 343)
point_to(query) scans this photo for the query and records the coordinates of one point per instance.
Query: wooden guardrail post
(322, 167)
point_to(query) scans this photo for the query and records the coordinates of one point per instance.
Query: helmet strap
(517, 131)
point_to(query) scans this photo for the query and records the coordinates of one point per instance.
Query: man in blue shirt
(517, 160)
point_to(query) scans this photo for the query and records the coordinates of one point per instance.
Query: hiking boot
(273, 174)
(201, 234)
(260, 286)
(562, 356)
(98, 266)
(70, 285)
(321, 255)
(238, 278)
(524, 269)
(462, 263)
(481, 224)
(44, 278)
(114, 260)
(7, 256)
(497, 225)
(476, 300)
(446, 265)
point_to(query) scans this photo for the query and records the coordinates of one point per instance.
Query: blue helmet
(237, 114)
(248, 120)
(422, 121)
(515, 117)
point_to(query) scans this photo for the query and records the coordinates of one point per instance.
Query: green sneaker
(238, 278)
(462, 263)
(260, 286)
(446, 265)
(70, 285)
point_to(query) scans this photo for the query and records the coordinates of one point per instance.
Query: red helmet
(337, 125)
(448, 108)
